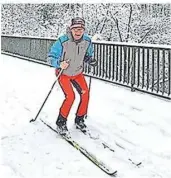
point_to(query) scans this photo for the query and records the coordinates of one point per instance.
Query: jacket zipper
(78, 50)
(75, 55)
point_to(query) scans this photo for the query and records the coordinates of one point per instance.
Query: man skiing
(69, 53)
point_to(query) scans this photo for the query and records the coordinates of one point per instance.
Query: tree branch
(129, 22)
(139, 41)
(104, 23)
(117, 25)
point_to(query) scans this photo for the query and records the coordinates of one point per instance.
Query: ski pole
(90, 84)
(89, 87)
(32, 120)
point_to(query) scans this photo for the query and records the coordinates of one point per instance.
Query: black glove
(93, 63)
(90, 61)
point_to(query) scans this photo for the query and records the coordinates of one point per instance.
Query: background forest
(139, 23)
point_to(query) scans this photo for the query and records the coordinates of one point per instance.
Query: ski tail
(109, 147)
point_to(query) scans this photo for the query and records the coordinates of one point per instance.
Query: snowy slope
(138, 122)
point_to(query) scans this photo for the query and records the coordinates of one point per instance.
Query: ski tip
(139, 164)
(113, 174)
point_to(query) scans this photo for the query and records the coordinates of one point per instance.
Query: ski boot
(62, 125)
(79, 122)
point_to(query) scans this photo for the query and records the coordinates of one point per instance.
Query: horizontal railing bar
(103, 42)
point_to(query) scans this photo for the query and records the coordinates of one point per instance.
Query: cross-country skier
(69, 53)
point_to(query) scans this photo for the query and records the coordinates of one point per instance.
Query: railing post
(133, 70)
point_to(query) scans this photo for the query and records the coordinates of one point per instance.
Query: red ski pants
(67, 83)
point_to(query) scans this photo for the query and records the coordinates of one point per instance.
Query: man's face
(77, 33)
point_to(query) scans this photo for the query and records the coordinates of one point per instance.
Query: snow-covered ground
(138, 122)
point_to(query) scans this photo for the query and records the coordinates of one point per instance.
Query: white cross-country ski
(85, 152)
(107, 145)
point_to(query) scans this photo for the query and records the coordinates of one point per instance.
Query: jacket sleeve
(89, 55)
(55, 54)
(90, 50)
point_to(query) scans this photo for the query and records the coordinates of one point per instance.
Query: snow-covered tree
(140, 23)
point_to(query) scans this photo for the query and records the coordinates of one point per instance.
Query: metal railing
(142, 67)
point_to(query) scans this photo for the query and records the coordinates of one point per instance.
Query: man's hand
(90, 61)
(64, 64)
(93, 63)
